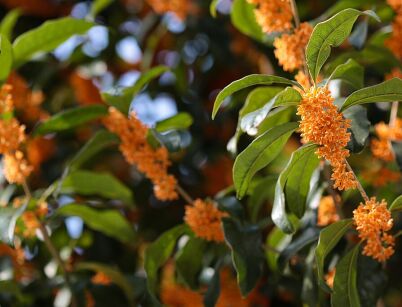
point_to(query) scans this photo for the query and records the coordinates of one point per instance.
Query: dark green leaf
(71, 118)
(329, 237)
(95, 183)
(351, 72)
(6, 57)
(310, 291)
(259, 154)
(276, 242)
(328, 34)
(360, 128)
(243, 19)
(263, 191)
(231, 205)
(98, 6)
(214, 288)
(108, 222)
(8, 219)
(245, 82)
(388, 91)
(121, 99)
(47, 37)
(345, 284)
(182, 120)
(245, 244)
(396, 204)
(8, 22)
(397, 148)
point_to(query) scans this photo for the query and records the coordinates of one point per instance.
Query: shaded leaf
(350, 72)
(243, 18)
(98, 6)
(278, 240)
(181, 120)
(396, 204)
(360, 128)
(214, 288)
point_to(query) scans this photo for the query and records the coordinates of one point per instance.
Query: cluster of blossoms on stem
(289, 48)
(204, 219)
(381, 147)
(322, 124)
(327, 213)
(180, 8)
(137, 151)
(394, 43)
(29, 221)
(273, 15)
(12, 136)
(373, 220)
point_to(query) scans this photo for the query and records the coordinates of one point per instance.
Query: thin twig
(184, 194)
(394, 113)
(359, 186)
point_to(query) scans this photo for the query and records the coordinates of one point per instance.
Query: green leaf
(245, 244)
(6, 57)
(101, 140)
(214, 287)
(292, 188)
(396, 204)
(359, 35)
(8, 22)
(387, 91)
(47, 37)
(345, 284)
(329, 238)
(181, 120)
(98, 6)
(71, 118)
(95, 183)
(189, 261)
(328, 34)
(360, 128)
(276, 240)
(397, 148)
(121, 99)
(287, 97)
(243, 18)
(8, 219)
(108, 222)
(115, 276)
(350, 72)
(212, 7)
(158, 253)
(245, 82)
(13, 288)
(259, 154)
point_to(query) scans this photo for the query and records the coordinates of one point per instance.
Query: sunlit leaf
(396, 205)
(6, 57)
(181, 120)
(8, 22)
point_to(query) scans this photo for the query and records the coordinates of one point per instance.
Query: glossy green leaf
(396, 204)
(121, 99)
(214, 287)
(8, 219)
(397, 148)
(245, 82)
(359, 129)
(328, 34)
(98, 6)
(287, 97)
(259, 154)
(298, 172)
(345, 284)
(71, 118)
(245, 244)
(189, 261)
(243, 18)
(6, 57)
(387, 91)
(181, 120)
(94, 183)
(350, 72)
(108, 222)
(101, 140)
(158, 253)
(8, 22)
(115, 276)
(329, 237)
(47, 37)
(276, 242)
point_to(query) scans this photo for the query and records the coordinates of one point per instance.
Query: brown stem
(334, 194)
(184, 194)
(359, 186)
(394, 113)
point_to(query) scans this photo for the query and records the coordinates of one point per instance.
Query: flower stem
(394, 113)
(184, 194)
(359, 186)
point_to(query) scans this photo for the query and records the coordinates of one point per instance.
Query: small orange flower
(22, 270)
(12, 134)
(395, 4)
(101, 278)
(6, 100)
(394, 43)
(204, 220)
(385, 176)
(180, 8)
(89, 299)
(31, 224)
(289, 48)
(373, 220)
(152, 162)
(330, 277)
(321, 123)
(39, 150)
(273, 15)
(381, 147)
(327, 212)
(16, 167)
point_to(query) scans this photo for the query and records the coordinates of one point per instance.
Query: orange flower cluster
(22, 270)
(12, 135)
(39, 150)
(381, 177)
(394, 43)
(85, 90)
(289, 48)
(321, 123)
(180, 8)
(136, 150)
(101, 278)
(204, 220)
(327, 212)
(381, 147)
(373, 220)
(273, 15)
(30, 219)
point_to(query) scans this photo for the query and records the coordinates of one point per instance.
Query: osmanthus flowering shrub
(119, 190)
